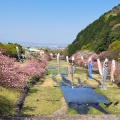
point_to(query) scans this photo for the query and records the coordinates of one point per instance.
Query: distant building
(30, 52)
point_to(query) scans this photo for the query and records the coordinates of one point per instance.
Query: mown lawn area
(113, 96)
(7, 100)
(43, 98)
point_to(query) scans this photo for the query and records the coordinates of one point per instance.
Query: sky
(48, 21)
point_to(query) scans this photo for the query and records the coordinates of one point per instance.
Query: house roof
(33, 50)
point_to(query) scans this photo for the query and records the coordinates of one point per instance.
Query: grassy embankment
(46, 97)
(7, 100)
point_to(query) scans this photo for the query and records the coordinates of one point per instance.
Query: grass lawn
(43, 98)
(112, 94)
(7, 100)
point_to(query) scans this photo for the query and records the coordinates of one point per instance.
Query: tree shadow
(117, 82)
(28, 108)
(84, 108)
(65, 82)
(33, 90)
(98, 107)
(99, 83)
(80, 84)
(6, 106)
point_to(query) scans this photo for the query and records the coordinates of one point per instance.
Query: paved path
(63, 109)
(64, 117)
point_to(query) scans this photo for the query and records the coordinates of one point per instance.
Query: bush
(14, 76)
(10, 49)
(114, 45)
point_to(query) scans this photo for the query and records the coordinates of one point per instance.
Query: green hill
(98, 35)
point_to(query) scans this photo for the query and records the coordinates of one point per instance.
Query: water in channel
(81, 98)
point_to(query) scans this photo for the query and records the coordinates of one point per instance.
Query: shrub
(14, 76)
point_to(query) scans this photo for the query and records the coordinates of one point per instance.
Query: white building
(30, 52)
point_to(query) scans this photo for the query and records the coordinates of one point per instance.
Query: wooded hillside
(98, 35)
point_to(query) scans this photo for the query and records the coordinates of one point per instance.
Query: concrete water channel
(80, 98)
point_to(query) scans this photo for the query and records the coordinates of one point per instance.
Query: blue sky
(48, 21)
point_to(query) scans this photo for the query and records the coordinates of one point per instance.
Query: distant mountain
(98, 35)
